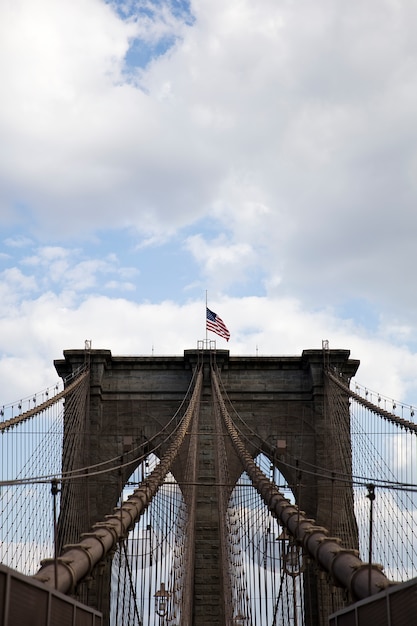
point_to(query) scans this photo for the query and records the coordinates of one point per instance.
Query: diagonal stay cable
(82, 472)
(131, 585)
(394, 419)
(344, 566)
(335, 475)
(78, 560)
(45, 405)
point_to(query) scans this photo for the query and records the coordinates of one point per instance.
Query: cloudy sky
(263, 151)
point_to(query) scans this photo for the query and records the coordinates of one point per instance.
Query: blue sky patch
(142, 51)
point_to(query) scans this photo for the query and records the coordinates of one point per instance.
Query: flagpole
(206, 322)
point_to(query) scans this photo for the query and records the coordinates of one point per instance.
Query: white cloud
(155, 22)
(223, 261)
(19, 241)
(287, 130)
(38, 332)
(124, 286)
(13, 284)
(61, 268)
(314, 104)
(274, 140)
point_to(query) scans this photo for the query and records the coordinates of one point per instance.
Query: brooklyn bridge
(208, 489)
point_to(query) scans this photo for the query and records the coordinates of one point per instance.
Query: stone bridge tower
(282, 399)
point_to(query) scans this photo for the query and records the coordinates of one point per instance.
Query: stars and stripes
(216, 325)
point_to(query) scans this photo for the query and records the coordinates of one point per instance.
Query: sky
(155, 150)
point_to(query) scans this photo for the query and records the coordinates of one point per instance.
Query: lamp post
(161, 601)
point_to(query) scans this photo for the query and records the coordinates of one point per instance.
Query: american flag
(216, 325)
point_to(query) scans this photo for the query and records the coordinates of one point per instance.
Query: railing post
(55, 491)
(371, 496)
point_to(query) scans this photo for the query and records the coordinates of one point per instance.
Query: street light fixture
(161, 601)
